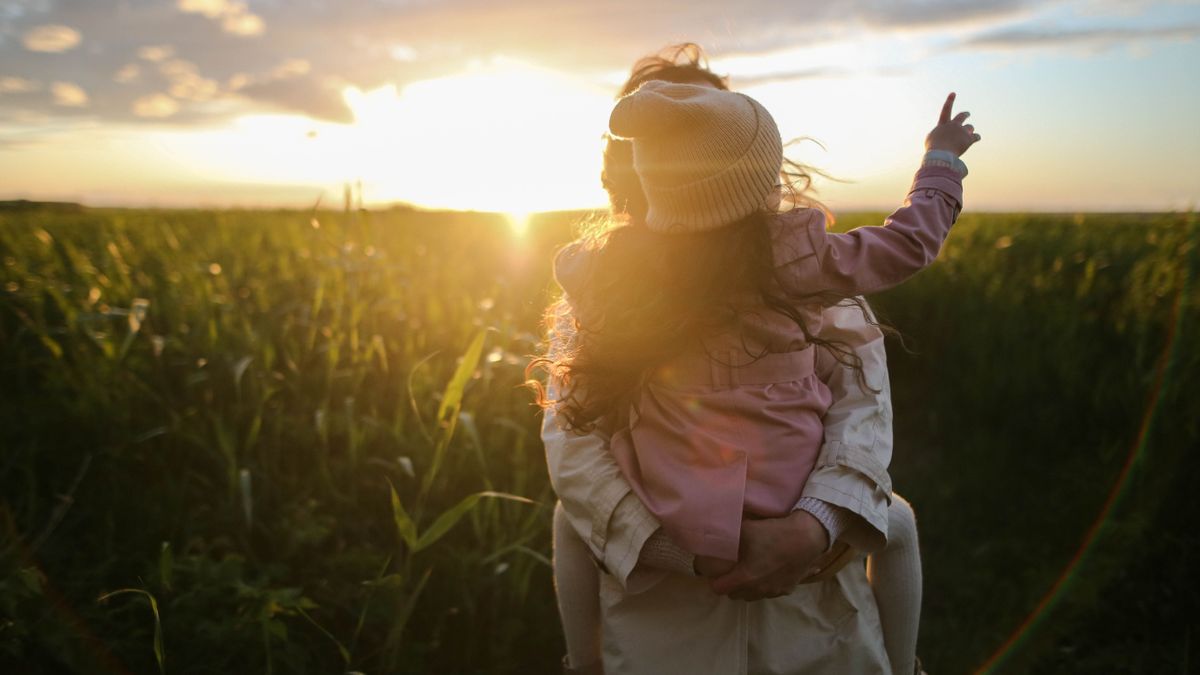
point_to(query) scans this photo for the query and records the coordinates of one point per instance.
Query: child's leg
(895, 574)
(577, 584)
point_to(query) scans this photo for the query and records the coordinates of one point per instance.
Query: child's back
(732, 425)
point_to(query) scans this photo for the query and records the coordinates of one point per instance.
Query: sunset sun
(503, 136)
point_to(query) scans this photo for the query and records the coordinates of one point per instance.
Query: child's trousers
(895, 574)
(577, 587)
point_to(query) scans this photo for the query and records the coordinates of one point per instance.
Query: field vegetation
(296, 442)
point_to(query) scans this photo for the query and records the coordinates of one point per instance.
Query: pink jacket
(716, 434)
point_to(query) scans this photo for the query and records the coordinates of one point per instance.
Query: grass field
(289, 442)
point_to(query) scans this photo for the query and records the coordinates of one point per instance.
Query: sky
(501, 105)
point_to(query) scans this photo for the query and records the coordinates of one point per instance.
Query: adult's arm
(851, 471)
(597, 500)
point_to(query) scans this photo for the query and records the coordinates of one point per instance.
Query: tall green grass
(243, 390)
(299, 438)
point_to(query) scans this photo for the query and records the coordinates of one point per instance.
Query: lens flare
(1057, 590)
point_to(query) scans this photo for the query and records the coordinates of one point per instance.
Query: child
(696, 328)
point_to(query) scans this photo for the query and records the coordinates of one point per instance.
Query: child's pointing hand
(951, 134)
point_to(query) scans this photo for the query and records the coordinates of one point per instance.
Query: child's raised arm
(869, 259)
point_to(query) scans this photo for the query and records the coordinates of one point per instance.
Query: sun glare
(518, 222)
(505, 136)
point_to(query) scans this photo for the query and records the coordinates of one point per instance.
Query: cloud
(194, 88)
(233, 15)
(155, 106)
(597, 34)
(757, 80)
(238, 81)
(931, 13)
(402, 52)
(156, 53)
(318, 98)
(185, 81)
(176, 68)
(129, 72)
(51, 38)
(291, 68)
(1098, 38)
(199, 52)
(212, 9)
(17, 85)
(243, 24)
(747, 81)
(69, 95)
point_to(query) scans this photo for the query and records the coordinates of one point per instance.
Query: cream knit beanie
(705, 157)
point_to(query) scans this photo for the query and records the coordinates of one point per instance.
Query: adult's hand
(775, 555)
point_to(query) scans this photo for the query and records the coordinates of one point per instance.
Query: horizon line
(24, 203)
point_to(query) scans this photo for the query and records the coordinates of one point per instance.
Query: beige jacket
(661, 623)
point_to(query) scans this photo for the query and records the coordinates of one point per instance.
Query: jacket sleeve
(869, 259)
(597, 500)
(851, 470)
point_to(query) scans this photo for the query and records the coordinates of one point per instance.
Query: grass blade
(447, 414)
(160, 652)
(450, 518)
(452, 397)
(405, 526)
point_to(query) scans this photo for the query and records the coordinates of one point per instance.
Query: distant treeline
(12, 205)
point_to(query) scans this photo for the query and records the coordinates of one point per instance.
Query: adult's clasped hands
(775, 555)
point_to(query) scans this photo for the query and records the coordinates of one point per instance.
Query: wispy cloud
(1099, 38)
(928, 13)
(69, 95)
(155, 53)
(155, 106)
(51, 38)
(129, 72)
(17, 85)
(747, 81)
(232, 15)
